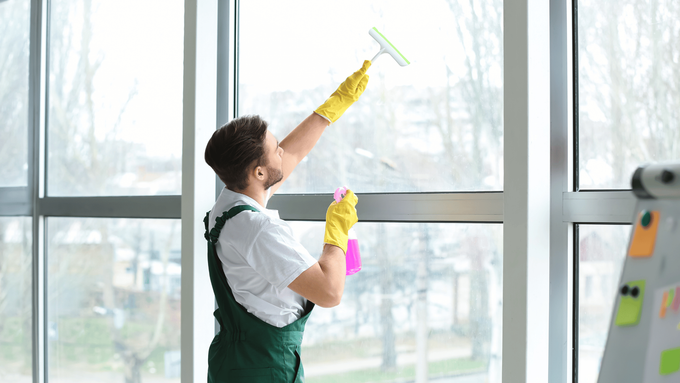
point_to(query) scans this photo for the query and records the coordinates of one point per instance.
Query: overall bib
(247, 349)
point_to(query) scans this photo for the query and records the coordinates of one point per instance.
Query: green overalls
(248, 349)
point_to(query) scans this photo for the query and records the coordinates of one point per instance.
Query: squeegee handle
(379, 53)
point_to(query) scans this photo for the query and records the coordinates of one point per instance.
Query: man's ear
(258, 172)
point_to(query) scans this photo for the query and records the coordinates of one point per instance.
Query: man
(265, 282)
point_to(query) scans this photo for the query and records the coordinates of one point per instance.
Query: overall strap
(214, 234)
(218, 280)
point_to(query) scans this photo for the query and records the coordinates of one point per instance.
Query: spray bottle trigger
(340, 193)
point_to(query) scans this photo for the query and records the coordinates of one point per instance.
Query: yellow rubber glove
(340, 217)
(346, 94)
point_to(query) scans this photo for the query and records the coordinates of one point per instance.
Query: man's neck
(258, 194)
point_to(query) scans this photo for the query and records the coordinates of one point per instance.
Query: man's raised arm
(302, 139)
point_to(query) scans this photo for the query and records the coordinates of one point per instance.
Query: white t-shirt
(260, 258)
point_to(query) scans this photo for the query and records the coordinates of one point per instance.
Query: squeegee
(387, 47)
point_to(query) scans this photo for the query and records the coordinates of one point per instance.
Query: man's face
(274, 161)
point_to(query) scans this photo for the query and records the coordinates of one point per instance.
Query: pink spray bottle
(353, 257)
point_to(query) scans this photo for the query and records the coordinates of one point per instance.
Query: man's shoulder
(245, 217)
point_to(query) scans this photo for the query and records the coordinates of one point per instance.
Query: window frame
(592, 206)
(210, 97)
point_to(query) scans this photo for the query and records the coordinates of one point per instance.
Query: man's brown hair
(233, 148)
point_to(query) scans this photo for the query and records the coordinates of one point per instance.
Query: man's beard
(274, 176)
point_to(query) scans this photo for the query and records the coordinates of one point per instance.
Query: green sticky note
(671, 296)
(630, 305)
(670, 361)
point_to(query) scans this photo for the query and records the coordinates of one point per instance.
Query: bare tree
(628, 87)
(422, 330)
(477, 91)
(15, 297)
(135, 351)
(14, 55)
(85, 162)
(81, 162)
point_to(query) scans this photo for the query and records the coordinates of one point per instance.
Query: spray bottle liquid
(352, 257)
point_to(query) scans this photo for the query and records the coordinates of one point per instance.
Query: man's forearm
(302, 139)
(332, 263)
(324, 282)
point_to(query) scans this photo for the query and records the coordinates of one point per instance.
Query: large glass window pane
(115, 97)
(14, 55)
(628, 88)
(427, 302)
(16, 313)
(434, 125)
(113, 309)
(602, 250)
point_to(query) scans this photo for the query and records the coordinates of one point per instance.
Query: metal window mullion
(575, 105)
(168, 207)
(235, 9)
(527, 195)
(198, 191)
(227, 54)
(470, 207)
(37, 68)
(599, 207)
(40, 349)
(560, 179)
(575, 305)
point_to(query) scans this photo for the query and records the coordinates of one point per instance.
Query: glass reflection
(113, 311)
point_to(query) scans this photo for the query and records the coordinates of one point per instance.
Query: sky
(317, 38)
(142, 51)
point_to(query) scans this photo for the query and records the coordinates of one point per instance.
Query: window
(16, 312)
(115, 98)
(627, 88)
(90, 287)
(427, 302)
(14, 56)
(435, 125)
(601, 254)
(113, 299)
(114, 85)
